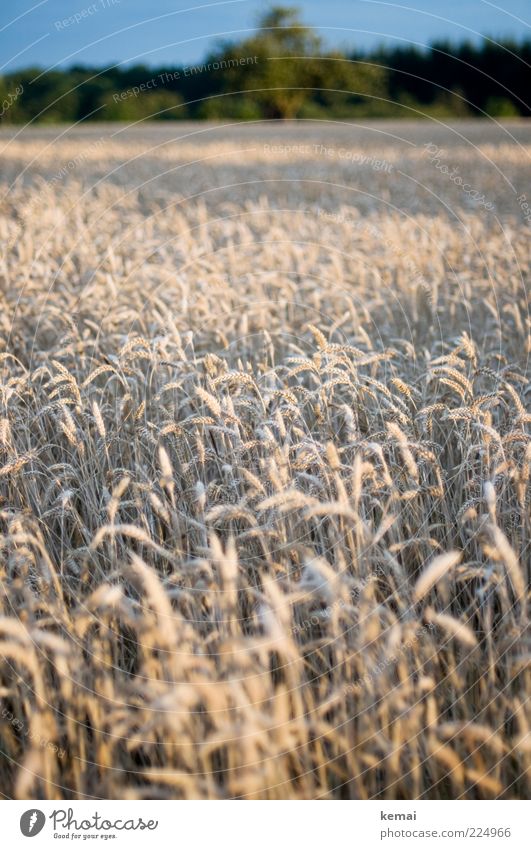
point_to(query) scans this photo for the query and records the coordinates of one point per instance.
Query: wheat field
(265, 462)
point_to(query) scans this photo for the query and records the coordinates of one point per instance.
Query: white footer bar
(268, 825)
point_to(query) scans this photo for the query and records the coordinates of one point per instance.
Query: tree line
(284, 71)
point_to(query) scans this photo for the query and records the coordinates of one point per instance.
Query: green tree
(286, 68)
(501, 107)
(156, 106)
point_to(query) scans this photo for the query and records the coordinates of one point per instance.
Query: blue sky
(46, 32)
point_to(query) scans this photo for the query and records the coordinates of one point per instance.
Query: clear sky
(47, 32)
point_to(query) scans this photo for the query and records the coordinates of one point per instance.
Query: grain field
(265, 461)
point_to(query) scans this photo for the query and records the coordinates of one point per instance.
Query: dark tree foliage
(489, 77)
